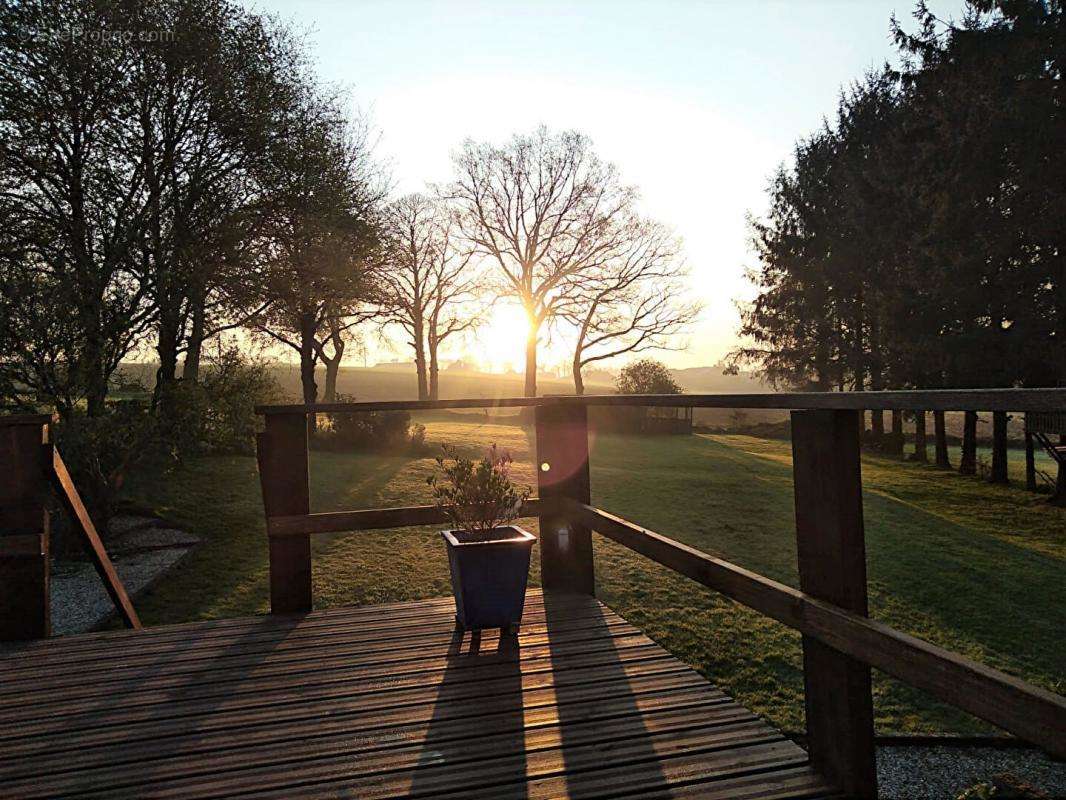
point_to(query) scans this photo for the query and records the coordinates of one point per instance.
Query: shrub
(647, 376)
(234, 385)
(477, 496)
(417, 437)
(982, 467)
(217, 414)
(101, 451)
(378, 431)
(1004, 787)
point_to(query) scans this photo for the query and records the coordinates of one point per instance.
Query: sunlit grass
(975, 568)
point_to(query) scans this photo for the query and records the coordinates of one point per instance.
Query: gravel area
(151, 539)
(141, 551)
(937, 772)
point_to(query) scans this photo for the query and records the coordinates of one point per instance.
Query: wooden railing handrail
(375, 519)
(1030, 712)
(903, 400)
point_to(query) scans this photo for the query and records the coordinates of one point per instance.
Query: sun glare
(500, 343)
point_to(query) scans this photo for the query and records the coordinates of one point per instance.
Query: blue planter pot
(489, 575)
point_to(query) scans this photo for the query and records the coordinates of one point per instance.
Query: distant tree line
(916, 240)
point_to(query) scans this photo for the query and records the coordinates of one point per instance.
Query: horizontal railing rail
(905, 400)
(1032, 713)
(376, 519)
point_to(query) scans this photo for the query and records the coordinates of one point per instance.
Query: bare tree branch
(428, 283)
(630, 303)
(543, 210)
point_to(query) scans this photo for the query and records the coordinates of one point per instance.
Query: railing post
(25, 610)
(283, 475)
(832, 567)
(563, 471)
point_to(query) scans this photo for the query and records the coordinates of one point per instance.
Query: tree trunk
(166, 374)
(531, 361)
(434, 367)
(96, 389)
(167, 350)
(968, 459)
(877, 425)
(579, 380)
(95, 374)
(307, 366)
(943, 459)
(420, 371)
(333, 368)
(418, 341)
(1030, 462)
(190, 371)
(1059, 498)
(877, 380)
(921, 453)
(999, 448)
(897, 434)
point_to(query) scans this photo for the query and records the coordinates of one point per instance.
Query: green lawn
(975, 568)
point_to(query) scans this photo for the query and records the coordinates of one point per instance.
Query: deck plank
(381, 702)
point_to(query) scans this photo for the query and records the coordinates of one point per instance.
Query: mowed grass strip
(975, 568)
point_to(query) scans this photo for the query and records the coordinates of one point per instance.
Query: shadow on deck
(377, 702)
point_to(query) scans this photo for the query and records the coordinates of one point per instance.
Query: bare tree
(543, 209)
(426, 282)
(633, 303)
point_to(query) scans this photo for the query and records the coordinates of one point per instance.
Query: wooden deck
(382, 701)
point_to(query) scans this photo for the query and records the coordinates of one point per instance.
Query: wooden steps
(381, 702)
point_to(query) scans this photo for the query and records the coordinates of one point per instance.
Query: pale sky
(696, 102)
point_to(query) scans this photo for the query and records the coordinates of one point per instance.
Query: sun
(500, 343)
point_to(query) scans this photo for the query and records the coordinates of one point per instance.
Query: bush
(234, 385)
(378, 431)
(647, 376)
(100, 452)
(217, 414)
(477, 496)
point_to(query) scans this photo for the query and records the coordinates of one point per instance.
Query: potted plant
(488, 557)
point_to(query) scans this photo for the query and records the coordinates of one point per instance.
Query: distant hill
(711, 380)
(396, 381)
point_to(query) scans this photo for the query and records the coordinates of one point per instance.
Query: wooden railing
(840, 643)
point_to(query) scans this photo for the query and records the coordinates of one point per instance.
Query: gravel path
(938, 772)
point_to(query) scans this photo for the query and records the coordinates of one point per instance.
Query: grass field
(975, 568)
